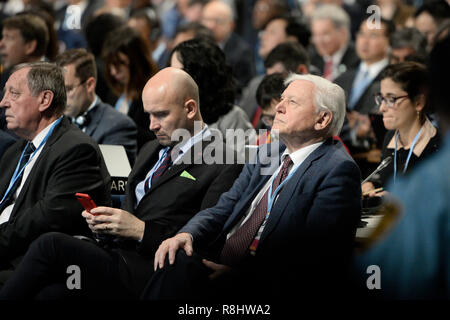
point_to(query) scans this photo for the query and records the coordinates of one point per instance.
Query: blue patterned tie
(165, 164)
(29, 149)
(362, 82)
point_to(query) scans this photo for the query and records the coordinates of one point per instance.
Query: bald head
(173, 84)
(171, 99)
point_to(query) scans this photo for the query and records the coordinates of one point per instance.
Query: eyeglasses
(71, 89)
(390, 101)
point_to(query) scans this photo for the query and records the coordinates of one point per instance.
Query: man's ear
(45, 100)
(324, 119)
(191, 108)
(30, 46)
(91, 84)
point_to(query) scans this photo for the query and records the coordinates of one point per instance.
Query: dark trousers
(188, 279)
(49, 268)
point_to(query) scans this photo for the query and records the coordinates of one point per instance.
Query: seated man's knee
(49, 241)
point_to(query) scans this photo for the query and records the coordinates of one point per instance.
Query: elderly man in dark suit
(169, 183)
(51, 162)
(279, 229)
(333, 52)
(97, 119)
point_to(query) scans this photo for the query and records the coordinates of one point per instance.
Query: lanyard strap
(271, 197)
(17, 174)
(416, 138)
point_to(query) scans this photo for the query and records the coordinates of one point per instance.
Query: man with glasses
(361, 84)
(95, 118)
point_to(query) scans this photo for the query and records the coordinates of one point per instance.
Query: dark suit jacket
(349, 60)
(6, 137)
(239, 56)
(69, 162)
(174, 199)
(312, 223)
(108, 126)
(366, 103)
(5, 141)
(169, 204)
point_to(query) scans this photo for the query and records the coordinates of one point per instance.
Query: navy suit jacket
(313, 220)
(108, 126)
(366, 103)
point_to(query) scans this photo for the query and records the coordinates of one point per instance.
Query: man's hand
(115, 222)
(170, 246)
(219, 269)
(367, 188)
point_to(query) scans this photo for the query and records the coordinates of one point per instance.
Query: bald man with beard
(170, 182)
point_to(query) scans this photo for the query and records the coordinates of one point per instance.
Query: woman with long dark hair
(128, 68)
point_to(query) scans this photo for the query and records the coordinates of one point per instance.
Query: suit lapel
(143, 166)
(287, 192)
(59, 130)
(242, 206)
(9, 167)
(186, 161)
(95, 117)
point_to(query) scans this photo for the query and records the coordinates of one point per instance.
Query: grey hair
(409, 38)
(327, 96)
(335, 13)
(46, 76)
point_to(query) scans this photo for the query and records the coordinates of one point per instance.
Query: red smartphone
(86, 201)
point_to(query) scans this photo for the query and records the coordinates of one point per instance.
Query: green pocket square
(186, 174)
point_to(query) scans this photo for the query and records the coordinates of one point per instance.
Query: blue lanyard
(157, 166)
(17, 174)
(271, 197)
(409, 153)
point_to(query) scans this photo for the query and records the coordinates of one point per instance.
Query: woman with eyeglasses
(411, 136)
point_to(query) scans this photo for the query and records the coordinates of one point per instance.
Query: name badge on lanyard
(416, 138)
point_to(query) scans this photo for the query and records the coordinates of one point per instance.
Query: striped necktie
(237, 244)
(165, 164)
